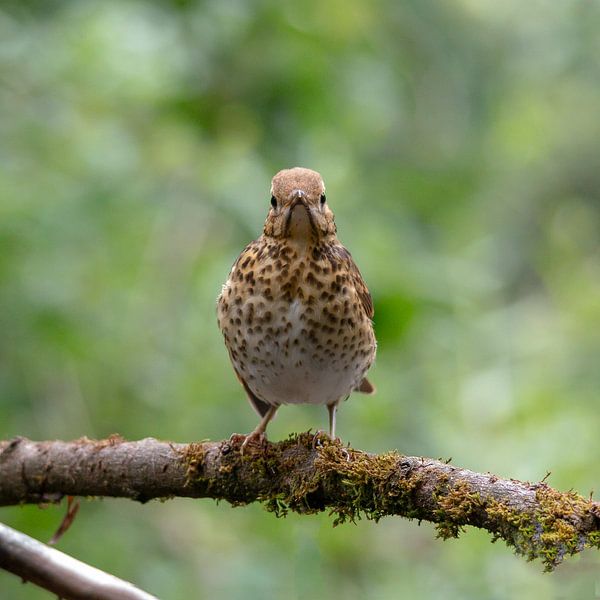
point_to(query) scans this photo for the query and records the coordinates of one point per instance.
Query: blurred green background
(460, 145)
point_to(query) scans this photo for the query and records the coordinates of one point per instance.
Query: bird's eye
(323, 198)
(273, 202)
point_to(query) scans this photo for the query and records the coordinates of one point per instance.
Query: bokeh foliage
(459, 142)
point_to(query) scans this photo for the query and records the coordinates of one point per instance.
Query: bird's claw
(252, 439)
(320, 433)
(316, 441)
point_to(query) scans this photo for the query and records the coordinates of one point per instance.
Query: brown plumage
(295, 312)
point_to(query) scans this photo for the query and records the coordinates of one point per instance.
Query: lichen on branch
(306, 477)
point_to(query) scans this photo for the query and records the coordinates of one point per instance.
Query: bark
(301, 476)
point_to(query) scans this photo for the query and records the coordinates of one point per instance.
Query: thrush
(295, 311)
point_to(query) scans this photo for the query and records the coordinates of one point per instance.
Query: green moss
(550, 533)
(366, 485)
(559, 531)
(193, 457)
(457, 506)
(291, 476)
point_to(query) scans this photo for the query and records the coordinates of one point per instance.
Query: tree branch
(538, 521)
(59, 573)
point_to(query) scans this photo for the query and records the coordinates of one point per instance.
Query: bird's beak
(298, 197)
(303, 218)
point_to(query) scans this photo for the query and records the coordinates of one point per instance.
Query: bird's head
(299, 209)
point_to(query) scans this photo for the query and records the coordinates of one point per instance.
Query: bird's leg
(332, 409)
(259, 431)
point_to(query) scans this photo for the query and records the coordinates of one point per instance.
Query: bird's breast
(294, 327)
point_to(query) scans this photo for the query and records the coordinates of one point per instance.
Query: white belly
(293, 368)
(287, 382)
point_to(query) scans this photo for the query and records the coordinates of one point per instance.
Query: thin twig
(60, 573)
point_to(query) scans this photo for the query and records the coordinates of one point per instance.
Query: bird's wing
(257, 404)
(363, 292)
(340, 253)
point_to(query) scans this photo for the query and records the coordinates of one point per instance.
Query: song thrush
(295, 312)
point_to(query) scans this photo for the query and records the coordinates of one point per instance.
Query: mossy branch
(294, 475)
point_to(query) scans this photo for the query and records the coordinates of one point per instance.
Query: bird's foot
(321, 435)
(254, 439)
(317, 438)
(235, 439)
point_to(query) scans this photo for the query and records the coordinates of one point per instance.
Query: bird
(295, 312)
